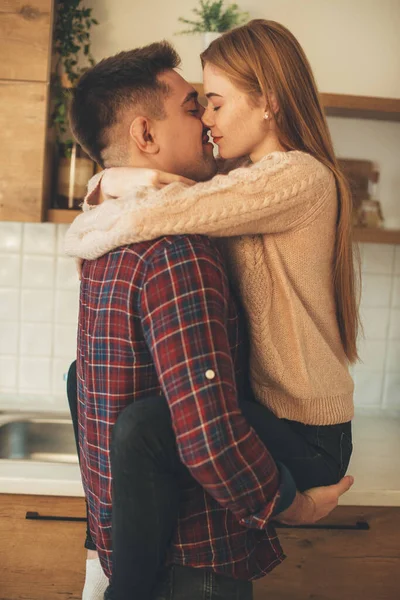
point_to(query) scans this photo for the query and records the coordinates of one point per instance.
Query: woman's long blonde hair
(263, 57)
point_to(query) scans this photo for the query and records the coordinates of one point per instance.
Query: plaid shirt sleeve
(184, 310)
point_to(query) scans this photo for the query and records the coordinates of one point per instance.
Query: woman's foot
(96, 582)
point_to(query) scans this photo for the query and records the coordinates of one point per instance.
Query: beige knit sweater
(278, 221)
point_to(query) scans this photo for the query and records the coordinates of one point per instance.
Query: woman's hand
(119, 181)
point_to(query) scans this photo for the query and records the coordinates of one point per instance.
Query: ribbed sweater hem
(325, 410)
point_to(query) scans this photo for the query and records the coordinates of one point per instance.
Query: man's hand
(119, 181)
(314, 504)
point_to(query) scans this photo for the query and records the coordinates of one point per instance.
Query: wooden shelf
(377, 236)
(59, 215)
(354, 107)
(361, 107)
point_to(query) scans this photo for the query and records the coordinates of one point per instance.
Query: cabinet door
(23, 117)
(41, 560)
(25, 153)
(25, 32)
(339, 564)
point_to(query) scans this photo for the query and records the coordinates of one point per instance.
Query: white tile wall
(392, 391)
(397, 261)
(10, 237)
(394, 329)
(377, 375)
(396, 292)
(39, 293)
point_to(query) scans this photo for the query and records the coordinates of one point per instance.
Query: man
(158, 318)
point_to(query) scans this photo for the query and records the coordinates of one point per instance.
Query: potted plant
(213, 18)
(72, 55)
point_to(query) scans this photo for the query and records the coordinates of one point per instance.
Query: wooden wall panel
(23, 116)
(25, 39)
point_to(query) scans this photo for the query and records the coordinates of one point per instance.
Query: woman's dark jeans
(73, 407)
(146, 472)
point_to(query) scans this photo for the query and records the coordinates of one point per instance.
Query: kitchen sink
(37, 438)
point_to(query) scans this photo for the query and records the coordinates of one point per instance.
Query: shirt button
(210, 374)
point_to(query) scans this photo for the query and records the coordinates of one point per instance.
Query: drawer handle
(359, 526)
(34, 516)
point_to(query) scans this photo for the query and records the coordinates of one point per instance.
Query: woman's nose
(207, 118)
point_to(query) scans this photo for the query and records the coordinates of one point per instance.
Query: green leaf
(212, 17)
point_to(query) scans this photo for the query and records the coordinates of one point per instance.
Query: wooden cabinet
(25, 48)
(45, 560)
(339, 564)
(41, 560)
(24, 39)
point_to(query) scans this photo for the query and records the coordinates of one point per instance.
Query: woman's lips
(216, 139)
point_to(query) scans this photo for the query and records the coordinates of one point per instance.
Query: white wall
(353, 45)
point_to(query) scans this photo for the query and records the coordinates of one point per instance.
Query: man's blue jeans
(184, 583)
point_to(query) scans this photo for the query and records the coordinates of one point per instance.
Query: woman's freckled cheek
(234, 122)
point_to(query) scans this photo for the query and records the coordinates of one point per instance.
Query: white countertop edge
(375, 465)
(41, 487)
(37, 478)
(371, 498)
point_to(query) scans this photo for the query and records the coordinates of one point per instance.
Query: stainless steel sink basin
(38, 439)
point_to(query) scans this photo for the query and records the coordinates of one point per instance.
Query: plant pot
(210, 36)
(73, 175)
(63, 75)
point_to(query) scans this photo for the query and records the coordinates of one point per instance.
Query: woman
(284, 219)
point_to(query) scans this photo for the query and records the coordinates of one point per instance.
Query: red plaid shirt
(154, 318)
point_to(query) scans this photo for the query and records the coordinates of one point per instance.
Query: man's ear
(142, 133)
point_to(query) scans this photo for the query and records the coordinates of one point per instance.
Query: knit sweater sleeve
(277, 194)
(272, 196)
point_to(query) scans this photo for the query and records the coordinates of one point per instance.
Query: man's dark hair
(115, 83)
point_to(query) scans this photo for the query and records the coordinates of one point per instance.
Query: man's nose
(206, 118)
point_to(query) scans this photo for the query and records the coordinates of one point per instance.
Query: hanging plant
(213, 16)
(71, 48)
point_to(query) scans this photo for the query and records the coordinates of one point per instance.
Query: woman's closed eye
(212, 107)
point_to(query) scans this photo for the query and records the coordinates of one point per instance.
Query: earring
(266, 116)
